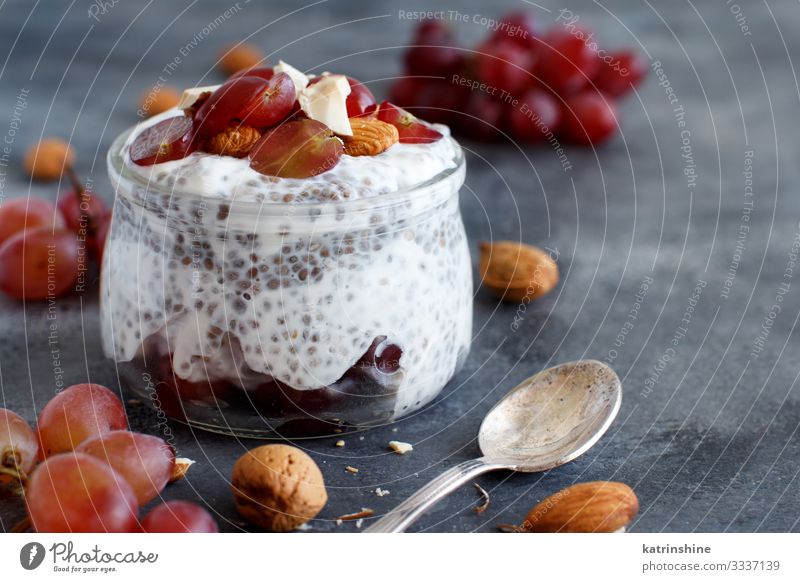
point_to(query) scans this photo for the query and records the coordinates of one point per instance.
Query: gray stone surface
(712, 446)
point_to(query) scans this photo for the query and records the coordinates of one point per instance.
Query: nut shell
(236, 141)
(596, 506)
(370, 137)
(278, 487)
(48, 159)
(515, 271)
(235, 58)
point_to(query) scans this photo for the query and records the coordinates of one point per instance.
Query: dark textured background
(713, 447)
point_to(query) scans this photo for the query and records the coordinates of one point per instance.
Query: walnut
(278, 487)
(236, 141)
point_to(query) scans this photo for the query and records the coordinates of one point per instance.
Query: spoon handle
(409, 510)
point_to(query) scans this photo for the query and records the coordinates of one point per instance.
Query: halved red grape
(537, 114)
(272, 105)
(360, 98)
(78, 413)
(623, 71)
(230, 101)
(263, 72)
(588, 119)
(18, 446)
(145, 461)
(566, 60)
(17, 214)
(39, 263)
(179, 517)
(170, 139)
(296, 149)
(411, 129)
(505, 65)
(77, 493)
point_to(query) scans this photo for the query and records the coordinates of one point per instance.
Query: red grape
(18, 214)
(623, 71)
(537, 114)
(179, 517)
(39, 263)
(18, 446)
(263, 72)
(360, 98)
(483, 117)
(97, 243)
(517, 27)
(405, 92)
(411, 130)
(76, 414)
(588, 118)
(77, 493)
(167, 140)
(145, 461)
(438, 101)
(566, 61)
(230, 101)
(296, 149)
(505, 65)
(82, 210)
(433, 52)
(272, 105)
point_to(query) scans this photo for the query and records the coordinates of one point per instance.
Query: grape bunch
(528, 85)
(45, 246)
(94, 473)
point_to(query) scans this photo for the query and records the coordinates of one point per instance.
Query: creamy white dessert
(346, 296)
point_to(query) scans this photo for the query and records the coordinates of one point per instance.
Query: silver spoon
(550, 419)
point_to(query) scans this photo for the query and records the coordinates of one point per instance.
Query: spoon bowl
(550, 419)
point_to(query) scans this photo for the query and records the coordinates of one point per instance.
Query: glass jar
(277, 319)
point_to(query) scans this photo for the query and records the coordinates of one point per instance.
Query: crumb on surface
(400, 448)
(381, 492)
(339, 443)
(350, 469)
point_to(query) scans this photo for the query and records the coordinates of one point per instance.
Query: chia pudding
(262, 305)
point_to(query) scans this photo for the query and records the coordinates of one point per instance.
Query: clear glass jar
(276, 319)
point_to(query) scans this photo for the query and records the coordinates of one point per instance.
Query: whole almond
(370, 137)
(158, 100)
(235, 58)
(48, 159)
(596, 506)
(515, 271)
(236, 141)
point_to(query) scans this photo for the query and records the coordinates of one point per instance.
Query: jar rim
(120, 170)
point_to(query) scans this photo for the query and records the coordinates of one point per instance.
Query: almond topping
(370, 137)
(236, 141)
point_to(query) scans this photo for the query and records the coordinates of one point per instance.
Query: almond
(370, 137)
(48, 159)
(515, 271)
(236, 141)
(235, 58)
(597, 506)
(180, 468)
